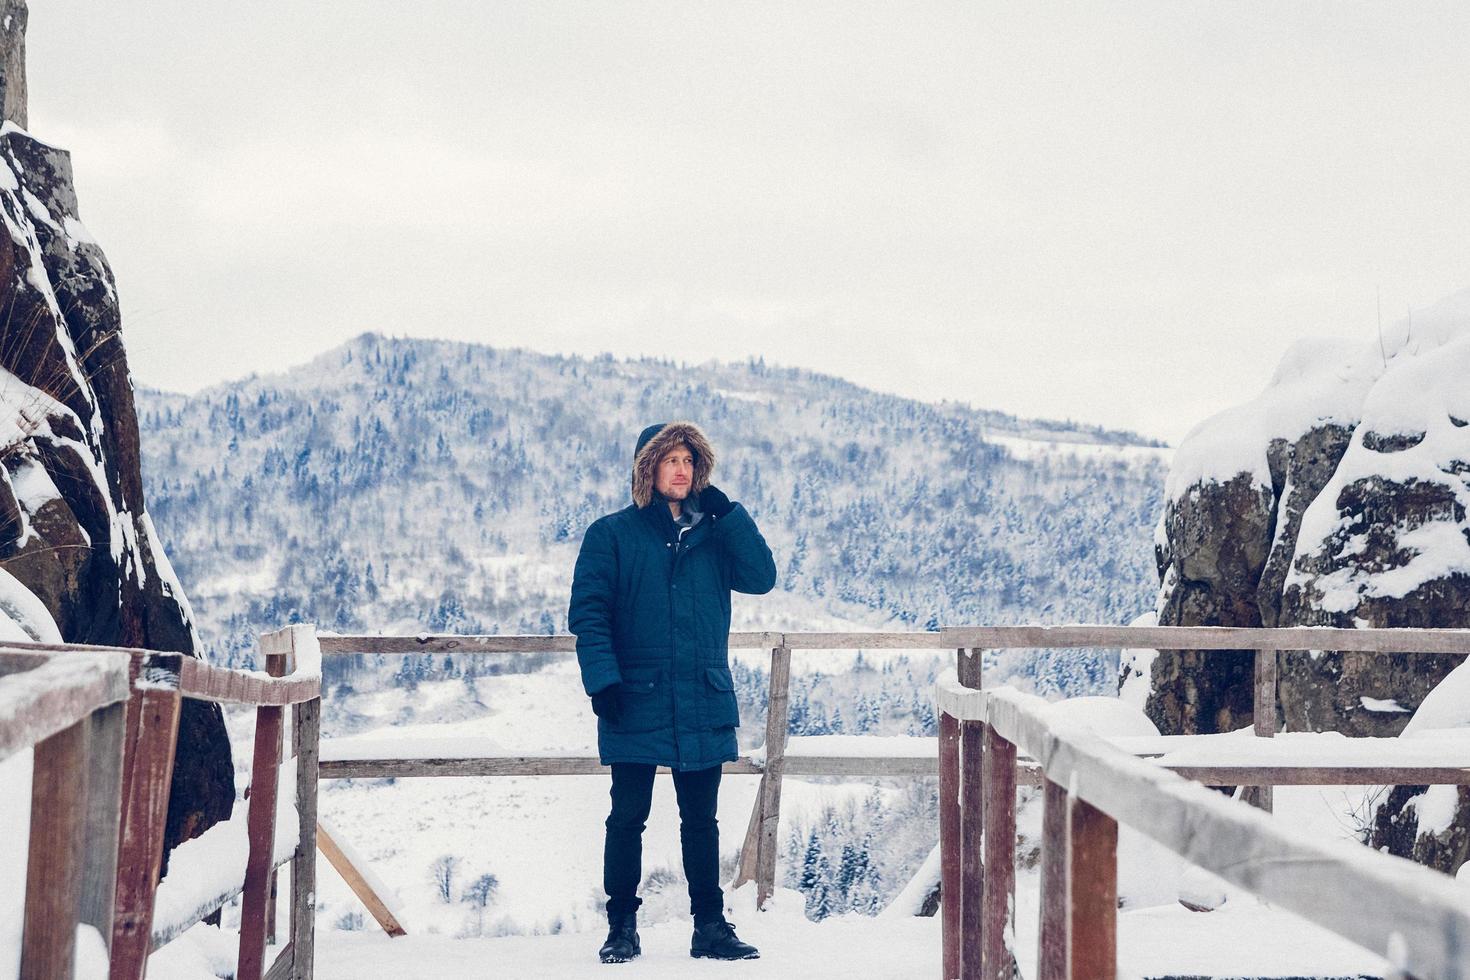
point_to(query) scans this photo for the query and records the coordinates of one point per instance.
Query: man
(651, 610)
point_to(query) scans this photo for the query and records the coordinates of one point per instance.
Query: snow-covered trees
(390, 496)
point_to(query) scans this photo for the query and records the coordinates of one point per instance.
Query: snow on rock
(1388, 705)
(1108, 717)
(1200, 891)
(1447, 706)
(23, 617)
(1319, 380)
(1135, 668)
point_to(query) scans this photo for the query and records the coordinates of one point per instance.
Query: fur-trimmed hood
(657, 440)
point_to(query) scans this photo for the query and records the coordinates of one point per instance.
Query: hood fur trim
(646, 462)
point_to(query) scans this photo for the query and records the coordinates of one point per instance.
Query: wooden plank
(275, 665)
(260, 828)
(1093, 906)
(48, 698)
(54, 868)
(14, 662)
(951, 908)
(1051, 953)
(916, 640)
(279, 641)
(358, 882)
(103, 818)
(1028, 772)
(208, 683)
(1000, 855)
(307, 739)
(745, 866)
(472, 645)
(972, 855)
(778, 720)
(140, 851)
(1323, 775)
(792, 765)
(1263, 719)
(496, 766)
(1393, 640)
(284, 964)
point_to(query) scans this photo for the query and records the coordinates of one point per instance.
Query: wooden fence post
(972, 822)
(778, 719)
(1051, 953)
(1000, 854)
(261, 831)
(972, 857)
(950, 907)
(1263, 710)
(103, 819)
(54, 868)
(140, 850)
(306, 740)
(1093, 902)
(275, 665)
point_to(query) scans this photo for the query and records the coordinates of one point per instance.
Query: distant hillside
(424, 485)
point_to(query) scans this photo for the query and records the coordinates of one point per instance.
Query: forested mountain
(410, 485)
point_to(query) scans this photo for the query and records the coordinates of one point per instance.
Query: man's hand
(607, 704)
(712, 501)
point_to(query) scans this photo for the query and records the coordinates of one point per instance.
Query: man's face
(675, 473)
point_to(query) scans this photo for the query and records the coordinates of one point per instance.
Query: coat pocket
(722, 711)
(643, 708)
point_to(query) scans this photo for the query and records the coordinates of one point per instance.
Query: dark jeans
(699, 835)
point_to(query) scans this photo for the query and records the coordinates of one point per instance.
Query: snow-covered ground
(1242, 938)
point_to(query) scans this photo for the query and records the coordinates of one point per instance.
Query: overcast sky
(1117, 213)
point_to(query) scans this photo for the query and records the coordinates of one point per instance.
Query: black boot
(622, 939)
(716, 940)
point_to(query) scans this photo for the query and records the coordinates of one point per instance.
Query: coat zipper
(679, 549)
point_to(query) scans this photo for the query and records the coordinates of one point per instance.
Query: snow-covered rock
(1336, 497)
(74, 527)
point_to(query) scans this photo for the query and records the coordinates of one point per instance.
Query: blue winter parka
(652, 612)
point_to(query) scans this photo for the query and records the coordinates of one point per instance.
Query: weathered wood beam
(778, 720)
(951, 903)
(1394, 640)
(973, 804)
(307, 741)
(51, 696)
(260, 829)
(997, 962)
(1051, 953)
(1093, 906)
(54, 865)
(357, 881)
(140, 850)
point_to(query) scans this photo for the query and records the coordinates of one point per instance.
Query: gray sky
(1118, 213)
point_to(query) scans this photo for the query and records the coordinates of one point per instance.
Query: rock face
(1337, 497)
(73, 525)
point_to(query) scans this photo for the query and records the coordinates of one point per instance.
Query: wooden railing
(1415, 917)
(758, 854)
(112, 715)
(70, 707)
